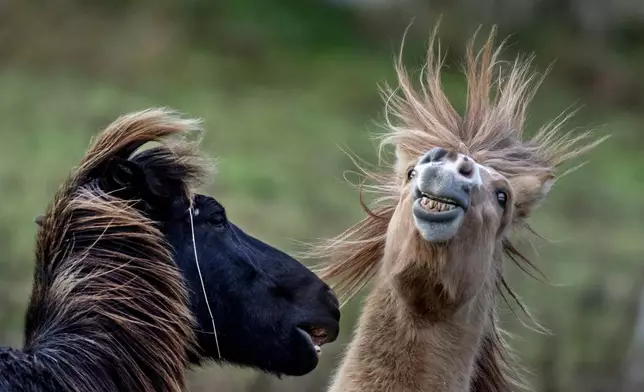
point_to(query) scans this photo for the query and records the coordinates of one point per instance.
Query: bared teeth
(435, 205)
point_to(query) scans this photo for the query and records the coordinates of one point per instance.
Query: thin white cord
(203, 286)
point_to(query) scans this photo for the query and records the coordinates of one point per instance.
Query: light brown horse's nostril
(466, 168)
(436, 154)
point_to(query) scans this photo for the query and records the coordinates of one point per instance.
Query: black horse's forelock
(109, 310)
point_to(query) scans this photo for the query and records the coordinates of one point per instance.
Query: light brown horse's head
(459, 181)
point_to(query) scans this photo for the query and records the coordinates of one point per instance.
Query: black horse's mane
(108, 309)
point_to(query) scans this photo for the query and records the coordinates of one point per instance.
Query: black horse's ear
(132, 180)
(123, 174)
(126, 180)
(38, 220)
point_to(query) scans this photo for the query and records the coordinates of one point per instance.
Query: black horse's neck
(21, 371)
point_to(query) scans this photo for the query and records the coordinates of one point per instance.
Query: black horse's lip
(316, 342)
(319, 334)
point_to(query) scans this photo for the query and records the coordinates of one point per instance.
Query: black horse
(110, 311)
(269, 310)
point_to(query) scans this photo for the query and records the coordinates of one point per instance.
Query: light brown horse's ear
(529, 191)
(403, 159)
(39, 220)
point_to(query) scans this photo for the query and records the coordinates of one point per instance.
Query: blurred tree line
(593, 41)
(244, 53)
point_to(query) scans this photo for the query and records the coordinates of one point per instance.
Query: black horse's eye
(411, 173)
(217, 217)
(213, 214)
(218, 220)
(501, 197)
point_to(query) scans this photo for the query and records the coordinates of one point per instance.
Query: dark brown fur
(109, 311)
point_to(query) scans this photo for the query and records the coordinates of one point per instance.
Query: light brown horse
(435, 240)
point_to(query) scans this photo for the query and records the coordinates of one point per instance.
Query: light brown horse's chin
(434, 225)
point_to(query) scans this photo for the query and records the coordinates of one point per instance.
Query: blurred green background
(283, 87)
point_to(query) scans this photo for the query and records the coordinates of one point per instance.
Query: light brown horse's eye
(502, 197)
(411, 173)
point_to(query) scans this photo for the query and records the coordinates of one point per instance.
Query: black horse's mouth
(317, 336)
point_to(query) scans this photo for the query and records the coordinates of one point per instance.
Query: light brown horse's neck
(414, 339)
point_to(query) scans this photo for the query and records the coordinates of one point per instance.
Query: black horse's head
(269, 311)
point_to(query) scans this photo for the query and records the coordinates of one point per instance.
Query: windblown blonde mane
(490, 131)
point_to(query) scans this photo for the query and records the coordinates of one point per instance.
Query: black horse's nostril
(329, 299)
(334, 298)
